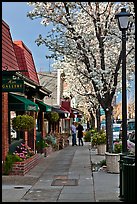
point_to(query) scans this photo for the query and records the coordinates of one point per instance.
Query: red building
(9, 62)
(18, 63)
(25, 60)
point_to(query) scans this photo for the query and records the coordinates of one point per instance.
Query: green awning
(20, 103)
(44, 107)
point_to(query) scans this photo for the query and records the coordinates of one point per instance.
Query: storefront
(20, 89)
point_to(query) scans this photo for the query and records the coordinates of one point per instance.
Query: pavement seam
(94, 192)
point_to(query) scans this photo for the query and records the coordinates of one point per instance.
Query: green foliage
(102, 162)
(93, 131)
(50, 139)
(20, 154)
(23, 151)
(99, 138)
(52, 116)
(118, 147)
(40, 144)
(89, 134)
(23, 123)
(9, 161)
(55, 146)
(87, 137)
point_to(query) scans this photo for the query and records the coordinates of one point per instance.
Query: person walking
(80, 134)
(73, 131)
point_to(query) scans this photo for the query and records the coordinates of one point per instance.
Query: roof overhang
(30, 85)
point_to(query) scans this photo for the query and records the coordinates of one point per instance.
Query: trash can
(127, 178)
(129, 182)
(121, 184)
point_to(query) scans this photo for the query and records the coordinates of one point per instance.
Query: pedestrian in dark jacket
(80, 134)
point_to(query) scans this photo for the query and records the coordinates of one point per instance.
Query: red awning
(64, 110)
(65, 104)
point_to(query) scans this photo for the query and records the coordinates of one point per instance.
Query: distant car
(131, 146)
(116, 130)
(132, 137)
(119, 121)
(130, 130)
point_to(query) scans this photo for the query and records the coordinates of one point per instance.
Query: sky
(27, 30)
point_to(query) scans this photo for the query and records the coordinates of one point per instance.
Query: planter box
(21, 168)
(61, 144)
(112, 162)
(47, 150)
(101, 149)
(62, 140)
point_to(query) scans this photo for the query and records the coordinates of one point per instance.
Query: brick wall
(43, 128)
(5, 143)
(21, 168)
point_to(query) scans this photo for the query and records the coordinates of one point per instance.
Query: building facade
(21, 91)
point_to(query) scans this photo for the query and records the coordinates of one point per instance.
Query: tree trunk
(98, 119)
(92, 120)
(109, 130)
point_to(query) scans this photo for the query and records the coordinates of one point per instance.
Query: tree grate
(65, 182)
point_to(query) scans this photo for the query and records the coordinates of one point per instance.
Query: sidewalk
(64, 176)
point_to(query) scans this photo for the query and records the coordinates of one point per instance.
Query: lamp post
(123, 22)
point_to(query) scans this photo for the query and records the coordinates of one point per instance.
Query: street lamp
(123, 22)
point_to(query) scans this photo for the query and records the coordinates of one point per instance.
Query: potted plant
(18, 162)
(50, 140)
(99, 140)
(113, 158)
(52, 116)
(117, 147)
(87, 136)
(41, 145)
(23, 123)
(9, 161)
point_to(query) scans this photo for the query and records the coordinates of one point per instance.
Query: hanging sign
(12, 85)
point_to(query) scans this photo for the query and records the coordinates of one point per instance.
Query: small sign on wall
(12, 85)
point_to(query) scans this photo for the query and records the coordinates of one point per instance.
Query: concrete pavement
(66, 175)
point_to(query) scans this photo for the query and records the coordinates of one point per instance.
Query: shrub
(93, 131)
(41, 144)
(50, 139)
(10, 159)
(118, 147)
(99, 138)
(87, 137)
(89, 134)
(23, 123)
(52, 116)
(102, 162)
(23, 151)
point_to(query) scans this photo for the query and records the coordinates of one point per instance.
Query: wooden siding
(8, 55)
(25, 60)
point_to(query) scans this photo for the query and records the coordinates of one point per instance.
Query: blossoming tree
(86, 34)
(81, 88)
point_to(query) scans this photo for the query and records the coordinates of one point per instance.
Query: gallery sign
(12, 85)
